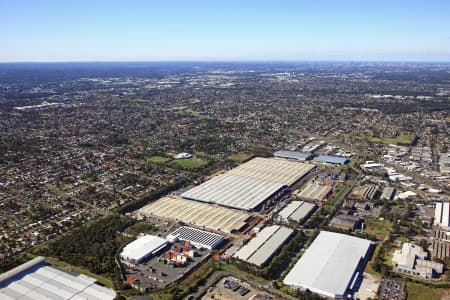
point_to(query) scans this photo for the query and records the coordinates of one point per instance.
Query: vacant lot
(419, 292)
(376, 227)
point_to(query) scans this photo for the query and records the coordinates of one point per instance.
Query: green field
(157, 159)
(188, 111)
(240, 157)
(419, 292)
(140, 227)
(400, 140)
(376, 227)
(79, 270)
(190, 164)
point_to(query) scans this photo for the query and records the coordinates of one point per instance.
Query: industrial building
(249, 185)
(366, 192)
(197, 213)
(444, 162)
(293, 155)
(442, 214)
(264, 245)
(441, 230)
(388, 193)
(411, 260)
(196, 237)
(313, 192)
(335, 160)
(331, 266)
(296, 211)
(346, 222)
(37, 280)
(143, 248)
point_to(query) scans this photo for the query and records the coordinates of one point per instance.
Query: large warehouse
(37, 280)
(198, 238)
(264, 245)
(249, 185)
(331, 265)
(143, 248)
(197, 213)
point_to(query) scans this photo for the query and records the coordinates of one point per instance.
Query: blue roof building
(336, 160)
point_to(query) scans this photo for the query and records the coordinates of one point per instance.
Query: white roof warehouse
(331, 265)
(143, 248)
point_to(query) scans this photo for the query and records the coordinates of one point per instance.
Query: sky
(224, 30)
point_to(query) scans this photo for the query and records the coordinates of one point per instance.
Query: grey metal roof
(329, 265)
(296, 210)
(264, 245)
(293, 155)
(233, 191)
(248, 185)
(332, 159)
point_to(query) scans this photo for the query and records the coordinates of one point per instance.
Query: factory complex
(37, 280)
(331, 266)
(248, 186)
(264, 245)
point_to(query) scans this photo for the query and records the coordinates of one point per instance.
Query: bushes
(92, 246)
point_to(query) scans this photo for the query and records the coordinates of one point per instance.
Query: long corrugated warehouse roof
(248, 185)
(197, 213)
(45, 282)
(233, 191)
(329, 265)
(272, 169)
(264, 245)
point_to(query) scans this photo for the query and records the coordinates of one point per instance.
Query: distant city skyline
(64, 31)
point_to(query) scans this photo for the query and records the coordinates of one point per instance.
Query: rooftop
(330, 254)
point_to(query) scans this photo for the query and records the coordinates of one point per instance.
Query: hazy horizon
(137, 31)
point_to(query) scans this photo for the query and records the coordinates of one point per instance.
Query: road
(220, 274)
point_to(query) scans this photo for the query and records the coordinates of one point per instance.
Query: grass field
(190, 164)
(157, 159)
(79, 270)
(188, 111)
(376, 227)
(137, 228)
(420, 292)
(240, 157)
(400, 140)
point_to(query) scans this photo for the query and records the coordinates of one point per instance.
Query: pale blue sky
(132, 30)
